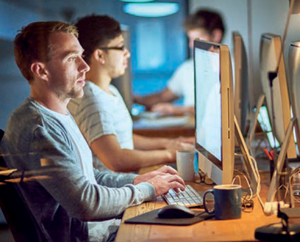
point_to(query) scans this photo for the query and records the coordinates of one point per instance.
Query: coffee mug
(185, 164)
(227, 201)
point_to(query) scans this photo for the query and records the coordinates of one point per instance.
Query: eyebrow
(121, 42)
(66, 54)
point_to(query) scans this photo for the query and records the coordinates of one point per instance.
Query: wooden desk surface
(211, 230)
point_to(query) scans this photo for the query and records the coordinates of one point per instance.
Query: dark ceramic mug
(227, 202)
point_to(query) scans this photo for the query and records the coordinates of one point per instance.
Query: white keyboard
(188, 198)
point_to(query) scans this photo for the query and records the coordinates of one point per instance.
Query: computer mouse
(175, 211)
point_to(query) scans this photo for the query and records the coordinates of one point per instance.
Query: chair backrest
(17, 216)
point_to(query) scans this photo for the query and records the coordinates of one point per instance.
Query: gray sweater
(60, 198)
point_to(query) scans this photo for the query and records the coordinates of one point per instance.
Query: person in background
(68, 199)
(205, 25)
(101, 113)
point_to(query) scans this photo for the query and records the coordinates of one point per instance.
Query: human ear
(99, 56)
(216, 35)
(38, 69)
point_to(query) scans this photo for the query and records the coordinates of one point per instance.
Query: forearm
(113, 179)
(109, 152)
(181, 110)
(146, 143)
(133, 160)
(90, 202)
(165, 95)
(149, 100)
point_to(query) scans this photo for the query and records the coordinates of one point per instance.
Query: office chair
(15, 212)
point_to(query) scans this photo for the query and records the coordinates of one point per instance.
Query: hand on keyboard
(187, 198)
(163, 179)
(163, 183)
(161, 171)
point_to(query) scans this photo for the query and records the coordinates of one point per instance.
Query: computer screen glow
(208, 113)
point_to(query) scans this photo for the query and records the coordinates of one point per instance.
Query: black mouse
(175, 211)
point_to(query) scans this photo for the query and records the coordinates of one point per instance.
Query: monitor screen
(214, 111)
(208, 106)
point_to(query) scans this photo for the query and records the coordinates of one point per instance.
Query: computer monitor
(294, 85)
(214, 111)
(279, 110)
(241, 90)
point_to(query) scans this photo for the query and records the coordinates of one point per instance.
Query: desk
(186, 129)
(210, 230)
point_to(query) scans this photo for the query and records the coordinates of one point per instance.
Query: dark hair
(32, 43)
(96, 31)
(206, 19)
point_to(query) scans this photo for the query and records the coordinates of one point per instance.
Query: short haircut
(32, 43)
(96, 31)
(206, 19)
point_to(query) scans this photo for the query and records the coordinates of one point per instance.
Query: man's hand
(180, 144)
(161, 171)
(171, 109)
(163, 183)
(162, 179)
(166, 109)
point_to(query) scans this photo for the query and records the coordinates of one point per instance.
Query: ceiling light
(157, 9)
(137, 1)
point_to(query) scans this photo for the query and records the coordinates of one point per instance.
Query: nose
(83, 66)
(127, 53)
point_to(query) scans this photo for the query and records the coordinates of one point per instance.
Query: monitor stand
(277, 233)
(249, 167)
(253, 122)
(283, 231)
(280, 162)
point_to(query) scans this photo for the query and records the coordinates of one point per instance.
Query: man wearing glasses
(102, 115)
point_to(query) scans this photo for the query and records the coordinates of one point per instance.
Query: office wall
(252, 18)
(148, 71)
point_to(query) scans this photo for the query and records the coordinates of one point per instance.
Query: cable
(256, 176)
(272, 76)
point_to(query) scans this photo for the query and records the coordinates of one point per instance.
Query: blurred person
(204, 25)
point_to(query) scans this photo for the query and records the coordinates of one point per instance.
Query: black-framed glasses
(122, 48)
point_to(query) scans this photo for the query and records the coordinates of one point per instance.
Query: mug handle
(204, 203)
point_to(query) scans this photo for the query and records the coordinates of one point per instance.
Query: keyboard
(188, 198)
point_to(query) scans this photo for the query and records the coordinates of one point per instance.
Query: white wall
(252, 18)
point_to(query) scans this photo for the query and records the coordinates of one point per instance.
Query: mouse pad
(152, 218)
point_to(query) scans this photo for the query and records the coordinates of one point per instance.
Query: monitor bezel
(220, 171)
(241, 79)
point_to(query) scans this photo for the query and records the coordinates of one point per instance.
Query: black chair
(14, 209)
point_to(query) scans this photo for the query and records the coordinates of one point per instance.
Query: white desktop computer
(241, 89)
(277, 95)
(214, 111)
(216, 125)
